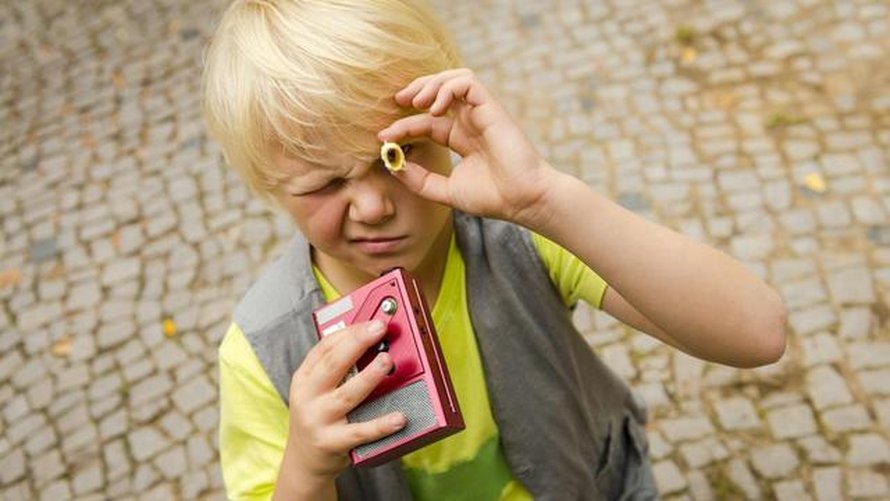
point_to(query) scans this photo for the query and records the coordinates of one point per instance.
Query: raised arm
(685, 293)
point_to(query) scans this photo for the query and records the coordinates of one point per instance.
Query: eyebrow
(315, 177)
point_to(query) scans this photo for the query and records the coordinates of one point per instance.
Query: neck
(432, 268)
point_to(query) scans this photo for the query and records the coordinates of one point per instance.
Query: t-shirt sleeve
(573, 279)
(253, 423)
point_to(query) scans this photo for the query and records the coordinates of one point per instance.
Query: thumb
(424, 183)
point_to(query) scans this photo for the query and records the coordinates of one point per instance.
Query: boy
(301, 94)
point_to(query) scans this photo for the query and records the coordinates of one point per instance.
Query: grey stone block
(194, 394)
(736, 413)
(171, 463)
(146, 442)
(868, 449)
(774, 461)
(827, 388)
(12, 467)
(792, 422)
(845, 419)
(851, 286)
(89, 479)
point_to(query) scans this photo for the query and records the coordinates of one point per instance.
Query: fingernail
(376, 327)
(397, 420)
(383, 361)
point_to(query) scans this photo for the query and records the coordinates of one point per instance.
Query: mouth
(379, 245)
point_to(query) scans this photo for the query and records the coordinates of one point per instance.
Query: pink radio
(418, 386)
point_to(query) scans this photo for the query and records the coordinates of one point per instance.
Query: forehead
(295, 172)
(300, 173)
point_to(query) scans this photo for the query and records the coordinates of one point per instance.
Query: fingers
(347, 396)
(438, 92)
(408, 95)
(428, 185)
(351, 435)
(439, 129)
(464, 88)
(332, 358)
(457, 90)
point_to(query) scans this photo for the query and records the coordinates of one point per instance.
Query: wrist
(297, 479)
(547, 209)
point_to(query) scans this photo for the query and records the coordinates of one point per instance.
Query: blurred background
(759, 126)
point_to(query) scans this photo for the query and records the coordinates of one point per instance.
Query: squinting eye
(331, 185)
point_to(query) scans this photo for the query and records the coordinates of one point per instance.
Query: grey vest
(570, 428)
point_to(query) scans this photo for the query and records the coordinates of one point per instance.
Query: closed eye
(331, 185)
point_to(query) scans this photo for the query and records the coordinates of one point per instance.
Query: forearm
(295, 484)
(705, 300)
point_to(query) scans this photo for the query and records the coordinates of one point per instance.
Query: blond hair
(314, 78)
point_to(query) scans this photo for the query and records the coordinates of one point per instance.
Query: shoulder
(478, 234)
(237, 357)
(280, 288)
(275, 315)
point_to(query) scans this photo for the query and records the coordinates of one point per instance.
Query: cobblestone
(792, 422)
(88, 480)
(851, 286)
(687, 428)
(866, 484)
(826, 388)
(172, 463)
(855, 322)
(844, 419)
(145, 442)
(820, 349)
(703, 452)
(868, 449)
(668, 477)
(736, 414)
(812, 319)
(865, 355)
(774, 461)
(827, 483)
(790, 490)
(740, 475)
(12, 467)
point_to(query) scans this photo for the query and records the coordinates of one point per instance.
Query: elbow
(769, 334)
(774, 343)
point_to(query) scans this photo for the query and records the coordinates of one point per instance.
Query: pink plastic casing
(419, 385)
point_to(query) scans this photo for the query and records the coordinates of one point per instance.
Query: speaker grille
(413, 401)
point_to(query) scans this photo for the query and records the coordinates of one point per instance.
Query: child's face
(361, 219)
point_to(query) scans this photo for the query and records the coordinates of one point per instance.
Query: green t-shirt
(468, 465)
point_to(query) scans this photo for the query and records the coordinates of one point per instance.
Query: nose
(370, 201)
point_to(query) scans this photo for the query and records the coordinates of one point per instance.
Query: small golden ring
(393, 156)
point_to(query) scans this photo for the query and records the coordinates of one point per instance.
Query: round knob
(389, 306)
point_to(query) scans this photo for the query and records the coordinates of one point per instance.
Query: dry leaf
(725, 100)
(62, 346)
(10, 277)
(117, 78)
(815, 182)
(169, 327)
(57, 271)
(88, 141)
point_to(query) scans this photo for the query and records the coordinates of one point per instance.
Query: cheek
(318, 218)
(427, 215)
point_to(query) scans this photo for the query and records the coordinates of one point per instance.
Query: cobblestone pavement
(760, 126)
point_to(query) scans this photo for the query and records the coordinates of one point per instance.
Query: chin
(378, 268)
